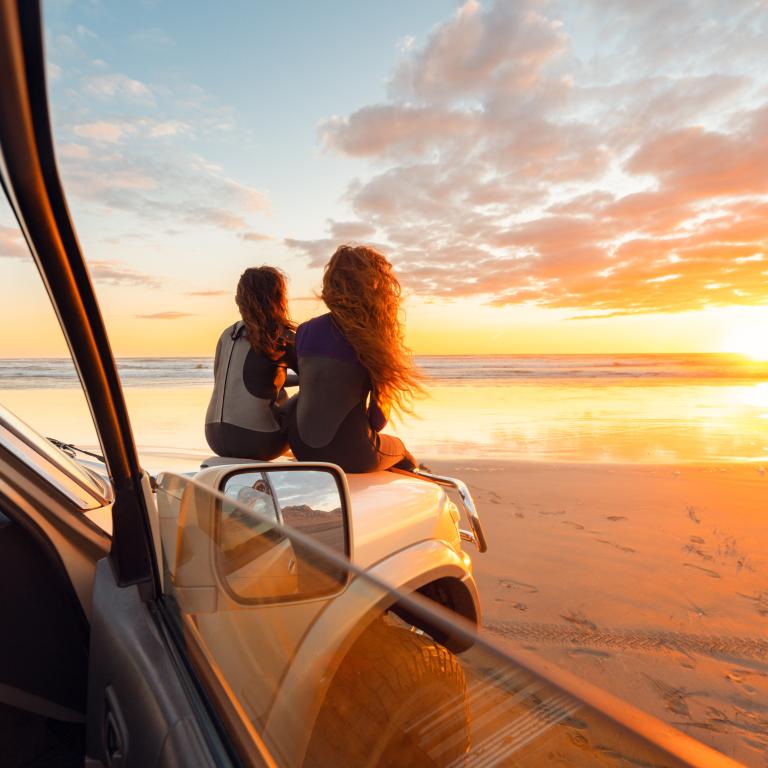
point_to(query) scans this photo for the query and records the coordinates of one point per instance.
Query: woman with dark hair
(354, 368)
(249, 371)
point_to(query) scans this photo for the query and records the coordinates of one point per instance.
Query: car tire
(397, 699)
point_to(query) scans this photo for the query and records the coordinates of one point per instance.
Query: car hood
(392, 511)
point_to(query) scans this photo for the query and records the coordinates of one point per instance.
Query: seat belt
(37, 705)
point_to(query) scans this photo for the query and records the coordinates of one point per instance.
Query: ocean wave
(23, 373)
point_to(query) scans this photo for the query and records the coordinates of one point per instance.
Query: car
(276, 614)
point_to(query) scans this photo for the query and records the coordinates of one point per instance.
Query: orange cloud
(166, 315)
(518, 171)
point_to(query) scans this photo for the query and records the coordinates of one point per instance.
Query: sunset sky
(546, 176)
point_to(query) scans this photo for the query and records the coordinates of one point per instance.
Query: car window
(42, 403)
(316, 670)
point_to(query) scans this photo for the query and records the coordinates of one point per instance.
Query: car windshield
(563, 210)
(339, 678)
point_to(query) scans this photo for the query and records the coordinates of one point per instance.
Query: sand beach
(648, 581)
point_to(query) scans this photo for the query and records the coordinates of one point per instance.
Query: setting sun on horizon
(749, 340)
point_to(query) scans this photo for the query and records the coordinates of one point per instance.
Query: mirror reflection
(260, 562)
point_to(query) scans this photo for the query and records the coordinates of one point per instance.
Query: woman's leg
(355, 447)
(392, 453)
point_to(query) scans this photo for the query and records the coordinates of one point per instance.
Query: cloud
(73, 151)
(165, 315)
(385, 129)
(116, 131)
(110, 131)
(168, 128)
(115, 273)
(317, 252)
(53, 71)
(253, 237)
(350, 230)
(520, 160)
(162, 188)
(505, 48)
(12, 245)
(115, 84)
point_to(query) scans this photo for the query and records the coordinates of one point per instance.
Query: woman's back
(333, 421)
(249, 370)
(241, 420)
(243, 383)
(333, 382)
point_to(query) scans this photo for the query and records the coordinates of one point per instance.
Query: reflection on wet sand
(686, 421)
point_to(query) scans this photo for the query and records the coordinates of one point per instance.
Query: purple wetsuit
(333, 420)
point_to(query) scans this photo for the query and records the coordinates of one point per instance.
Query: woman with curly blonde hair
(354, 368)
(249, 371)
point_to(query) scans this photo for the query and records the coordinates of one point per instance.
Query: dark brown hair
(363, 294)
(263, 304)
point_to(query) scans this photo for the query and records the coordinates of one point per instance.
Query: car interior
(43, 653)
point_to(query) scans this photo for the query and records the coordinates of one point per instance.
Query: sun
(749, 339)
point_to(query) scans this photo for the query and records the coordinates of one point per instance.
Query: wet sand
(649, 581)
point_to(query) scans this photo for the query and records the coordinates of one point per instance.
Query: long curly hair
(363, 295)
(263, 304)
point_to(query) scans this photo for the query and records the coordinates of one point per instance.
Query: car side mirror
(265, 530)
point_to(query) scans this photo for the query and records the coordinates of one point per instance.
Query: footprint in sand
(690, 548)
(573, 652)
(519, 514)
(512, 584)
(684, 659)
(615, 518)
(729, 548)
(522, 607)
(697, 609)
(552, 512)
(674, 698)
(760, 600)
(692, 514)
(579, 619)
(740, 677)
(712, 574)
(696, 539)
(620, 547)
(577, 526)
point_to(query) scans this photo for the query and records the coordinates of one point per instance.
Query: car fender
(329, 637)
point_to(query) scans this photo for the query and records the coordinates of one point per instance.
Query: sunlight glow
(750, 340)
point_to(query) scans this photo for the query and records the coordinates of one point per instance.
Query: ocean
(621, 408)
(493, 370)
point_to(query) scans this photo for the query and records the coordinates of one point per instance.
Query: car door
(143, 707)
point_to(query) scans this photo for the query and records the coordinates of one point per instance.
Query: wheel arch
(451, 593)
(419, 567)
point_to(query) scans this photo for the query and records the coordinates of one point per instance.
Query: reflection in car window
(339, 680)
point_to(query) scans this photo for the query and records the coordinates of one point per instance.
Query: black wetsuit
(332, 421)
(243, 419)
